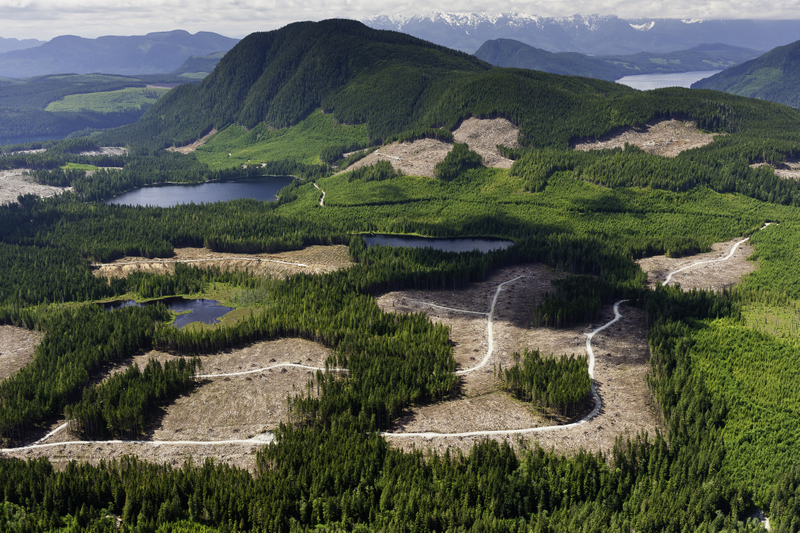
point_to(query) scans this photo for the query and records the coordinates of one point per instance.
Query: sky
(45, 19)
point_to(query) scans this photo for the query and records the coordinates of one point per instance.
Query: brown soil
(240, 407)
(107, 150)
(620, 368)
(14, 183)
(224, 408)
(189, 148)
(318, 259)
(17, 346)
(788, 171)
(36, 151)
(418, 158)
(483, 136)
(667, 138)
(412, 158)
(239, 455)
(708, 276)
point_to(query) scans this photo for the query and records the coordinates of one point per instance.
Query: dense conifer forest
(723, 381)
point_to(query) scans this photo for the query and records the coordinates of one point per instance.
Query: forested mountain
(153, 53)
(775, 76)
(279, 77)
(588, 34)
(723, 366)
(394, 83)
(510, 53)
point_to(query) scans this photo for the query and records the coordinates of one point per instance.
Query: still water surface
(446, 245)
(264, 189)
(200, 310)
(646, 82)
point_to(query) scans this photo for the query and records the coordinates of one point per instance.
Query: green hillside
(774, 76)
(57, 105)
(130, 98)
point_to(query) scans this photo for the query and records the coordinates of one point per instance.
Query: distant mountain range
(7, 45)
(774, 76)
(594, 35)
(154, 53)
(510, 53)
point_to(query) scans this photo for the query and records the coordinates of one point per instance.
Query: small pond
(201, 310)
(446, 245)
(646, 82)
(169, 195)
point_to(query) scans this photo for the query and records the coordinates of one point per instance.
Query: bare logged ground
(236, 407)
(189, 148)
(225, 408)
(16, 348)
(494, 410)
(13, 183)
(709, 276)
(414, 159)
(620, 368)
(483, 136)
(107, 150)
(317, 259)
(667, 138)
(788, 171)
(418, 158)
(175, 455)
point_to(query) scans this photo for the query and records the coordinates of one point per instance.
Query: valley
(241, 395)
(623, 355)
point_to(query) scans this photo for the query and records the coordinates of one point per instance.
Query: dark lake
(264, 189)
(446, 245)
(200, 310)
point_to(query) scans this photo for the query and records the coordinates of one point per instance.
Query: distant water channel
(646, 82)
(446, 245)
(201, 310)
(264, 189)
(4, 141)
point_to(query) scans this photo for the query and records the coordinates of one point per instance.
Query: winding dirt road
(321, 200)
(597, 401)
(730, 254)
(258, 439)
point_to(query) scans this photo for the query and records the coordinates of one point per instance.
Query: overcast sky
(45, 19)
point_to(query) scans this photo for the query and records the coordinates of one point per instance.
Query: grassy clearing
(303, 142)
(108, 102)
(78, 166)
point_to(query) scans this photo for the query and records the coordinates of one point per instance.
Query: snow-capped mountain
(589, 34)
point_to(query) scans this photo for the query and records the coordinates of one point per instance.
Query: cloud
(44, 19)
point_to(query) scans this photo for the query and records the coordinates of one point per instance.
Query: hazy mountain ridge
(514, 54)
(9, 44)
(592, 34)
(774, 76)
(154, 53)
